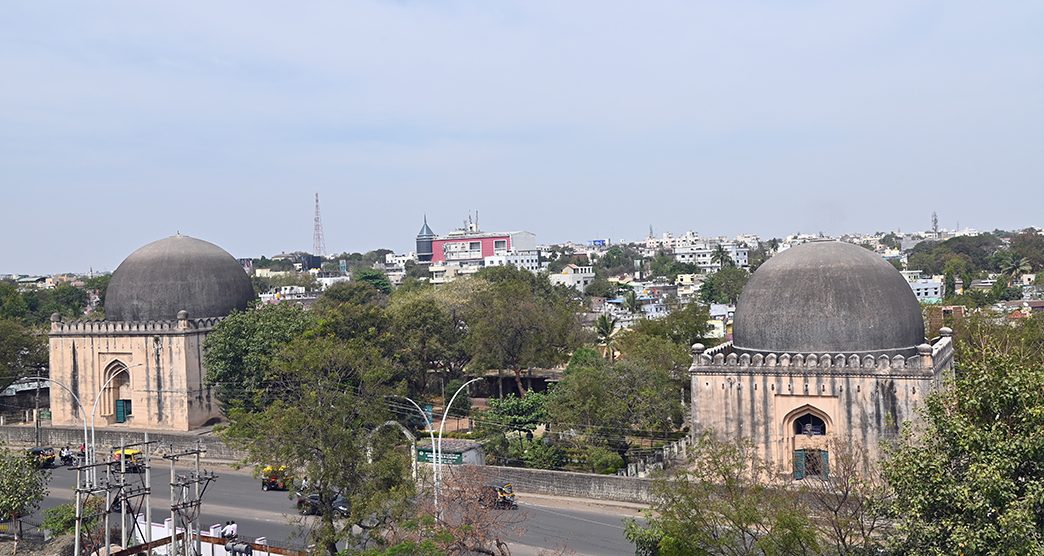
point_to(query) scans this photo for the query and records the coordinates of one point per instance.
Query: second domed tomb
(828, 342)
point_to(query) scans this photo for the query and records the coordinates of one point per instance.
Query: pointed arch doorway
(116, 398)
(807, 431)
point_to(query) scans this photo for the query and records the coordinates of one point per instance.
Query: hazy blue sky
(124, 122)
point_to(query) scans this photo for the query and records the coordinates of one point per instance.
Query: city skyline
(130, 123)
(406, 243)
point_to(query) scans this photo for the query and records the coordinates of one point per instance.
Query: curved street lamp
(431, 431)
(442, 426)
(94, 413)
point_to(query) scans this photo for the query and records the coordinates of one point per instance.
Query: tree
(466, 525)
(969, 479)
(851, 504)
(375, 278)
(426, 336)
(520, 321)
(238, 354)
(23, 352)
(600, 287)
(631, 302)
(724, 286)
(22, 486)
(618, 259)
(320, 421)
(1014, 266)
(654, 352)
(520, 414)
(603, 401)
(728, 502)
(721, 257)
(12, 304)
(1029, 245)
(605, 328)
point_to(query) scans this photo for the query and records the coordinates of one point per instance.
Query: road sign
(427, 455)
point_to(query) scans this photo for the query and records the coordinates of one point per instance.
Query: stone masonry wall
(576, 485)
(57, 437)
(535, 481)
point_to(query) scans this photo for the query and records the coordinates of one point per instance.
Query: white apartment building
(526, 260)
(702, 255)
(574, 276)
(926, 290)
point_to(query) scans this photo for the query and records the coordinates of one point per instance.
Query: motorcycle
(68, 459)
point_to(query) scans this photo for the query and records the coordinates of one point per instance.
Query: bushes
(604, 461)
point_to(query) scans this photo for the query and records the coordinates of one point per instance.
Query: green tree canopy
(23, 351)
(724, 286)
(427, 335)
(238, 354)
(726, 504)
(520, 321)
(376, 278)
(969, 480)
(320, 421)
(22, 485)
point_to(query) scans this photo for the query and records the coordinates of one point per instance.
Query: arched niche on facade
(116, 397)
(807, 431)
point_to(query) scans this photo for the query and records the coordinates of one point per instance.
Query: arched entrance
(116, 398)
(807, 433)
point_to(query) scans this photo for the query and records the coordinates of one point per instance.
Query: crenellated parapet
(931, 358)
(181, 325)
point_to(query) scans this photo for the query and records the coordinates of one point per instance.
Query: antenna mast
(318, 243)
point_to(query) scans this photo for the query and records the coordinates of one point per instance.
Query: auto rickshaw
(135, 461)
(43, 457)
(274, 478)
(499, 496)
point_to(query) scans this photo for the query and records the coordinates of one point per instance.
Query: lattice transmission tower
(318, 243)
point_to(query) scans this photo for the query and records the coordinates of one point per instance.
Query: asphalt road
(584, 528)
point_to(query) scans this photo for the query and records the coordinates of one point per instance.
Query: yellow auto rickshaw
(275, 477)
(134, 460)
(42, 457)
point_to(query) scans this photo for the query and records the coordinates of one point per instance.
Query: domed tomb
(174, 274)
(828, 297)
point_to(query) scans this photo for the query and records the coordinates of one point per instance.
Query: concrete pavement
(585, 527)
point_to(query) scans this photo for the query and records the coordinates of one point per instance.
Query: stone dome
(827, 297)
(174, 274)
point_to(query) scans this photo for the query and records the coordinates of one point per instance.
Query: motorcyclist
(66, 455)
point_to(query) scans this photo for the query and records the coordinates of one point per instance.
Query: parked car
(309, 505)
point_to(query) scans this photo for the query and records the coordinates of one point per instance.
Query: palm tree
(631, 302)
(1014, 267)
(721, 257)
(605, 328)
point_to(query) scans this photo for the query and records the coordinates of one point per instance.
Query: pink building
(472, 247)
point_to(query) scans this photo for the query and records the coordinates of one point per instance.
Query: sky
(126, 122)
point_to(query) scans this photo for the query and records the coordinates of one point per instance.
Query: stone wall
(576, 485)
(57, 437)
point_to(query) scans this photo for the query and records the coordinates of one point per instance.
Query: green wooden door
(121, 411)
(799, 464)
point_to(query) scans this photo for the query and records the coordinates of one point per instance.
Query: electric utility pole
(186, 498)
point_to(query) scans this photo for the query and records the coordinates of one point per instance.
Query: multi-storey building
(574, 276)
(702, 255)
(469, 249)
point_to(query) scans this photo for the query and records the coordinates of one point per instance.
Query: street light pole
(94, 413)
(431, 431)
(442, 426)
(79, 471)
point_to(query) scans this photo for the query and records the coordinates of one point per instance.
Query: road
(586, 528)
